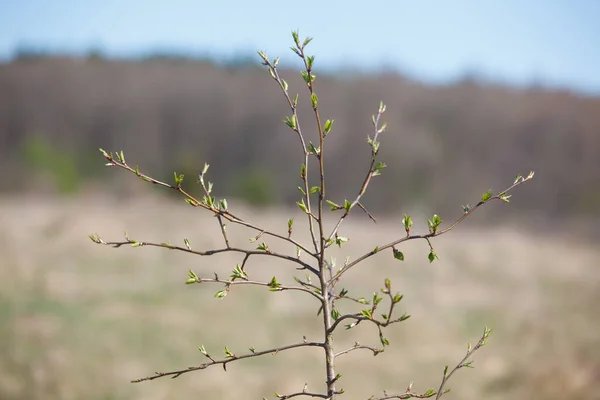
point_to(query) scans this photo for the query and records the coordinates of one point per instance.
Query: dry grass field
(79, 321)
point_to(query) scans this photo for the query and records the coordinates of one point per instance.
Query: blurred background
(476, 93)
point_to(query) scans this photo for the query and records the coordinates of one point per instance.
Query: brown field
(79, 321)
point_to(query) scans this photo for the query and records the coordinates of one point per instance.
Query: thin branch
(358, 346)
(298, 130)
(462, 363)
(278, 288)
(223, 231)
(403, 396)
(326, 303)
(436, 233)
(370, 174)
(394, 299)
(248, 253)
(224, 362)
(367, 212)
(198, 203)
(303, 393)
(446, 376)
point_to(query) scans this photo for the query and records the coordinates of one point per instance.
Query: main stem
(327, 320)
(328, 343)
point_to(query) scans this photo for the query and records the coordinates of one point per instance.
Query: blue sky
(555, 42)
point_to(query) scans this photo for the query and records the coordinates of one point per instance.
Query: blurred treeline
(444, 145)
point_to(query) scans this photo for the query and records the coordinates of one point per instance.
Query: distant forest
(444, 145)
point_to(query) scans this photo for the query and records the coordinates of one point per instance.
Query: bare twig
(277, 288)
(366, 212)
(198, 203)
(446, 376)
(296, 128)
(327, 301)
(370, 316)
(224, 362)
(223, 230)
(463, 363)
(436, 233)
(169, 246)
(302, 393)
(370, 173)
(357, 346)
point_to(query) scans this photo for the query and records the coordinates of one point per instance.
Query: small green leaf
(404, 317)
(376, 299)
(486, 196)
(178, 179)
(187, 244)
(296, 38)
(429, 392)
(220, 294)
(388, 284)
(335, 314)
(384, 341)
(205, 169)
(397, 298)
(347, 205)
(376, 250)
(273, 284)
(192, 278)
(314, 189)
(202, 350)
(398, 255)
(340, 239)
(328, 125)
(445, 370)
(252, 350)
(407, 222)
(374, 144)
(432, 256)
(303, 171)
(362, 300)
(291, 122)
(305, 76)
(343, 292)
(517, 179)
(366, 313)
(223, 203)
(314, 100)
(263, 246)
(302, 206)
(333, 205)
(228, 353)
(238, 273)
